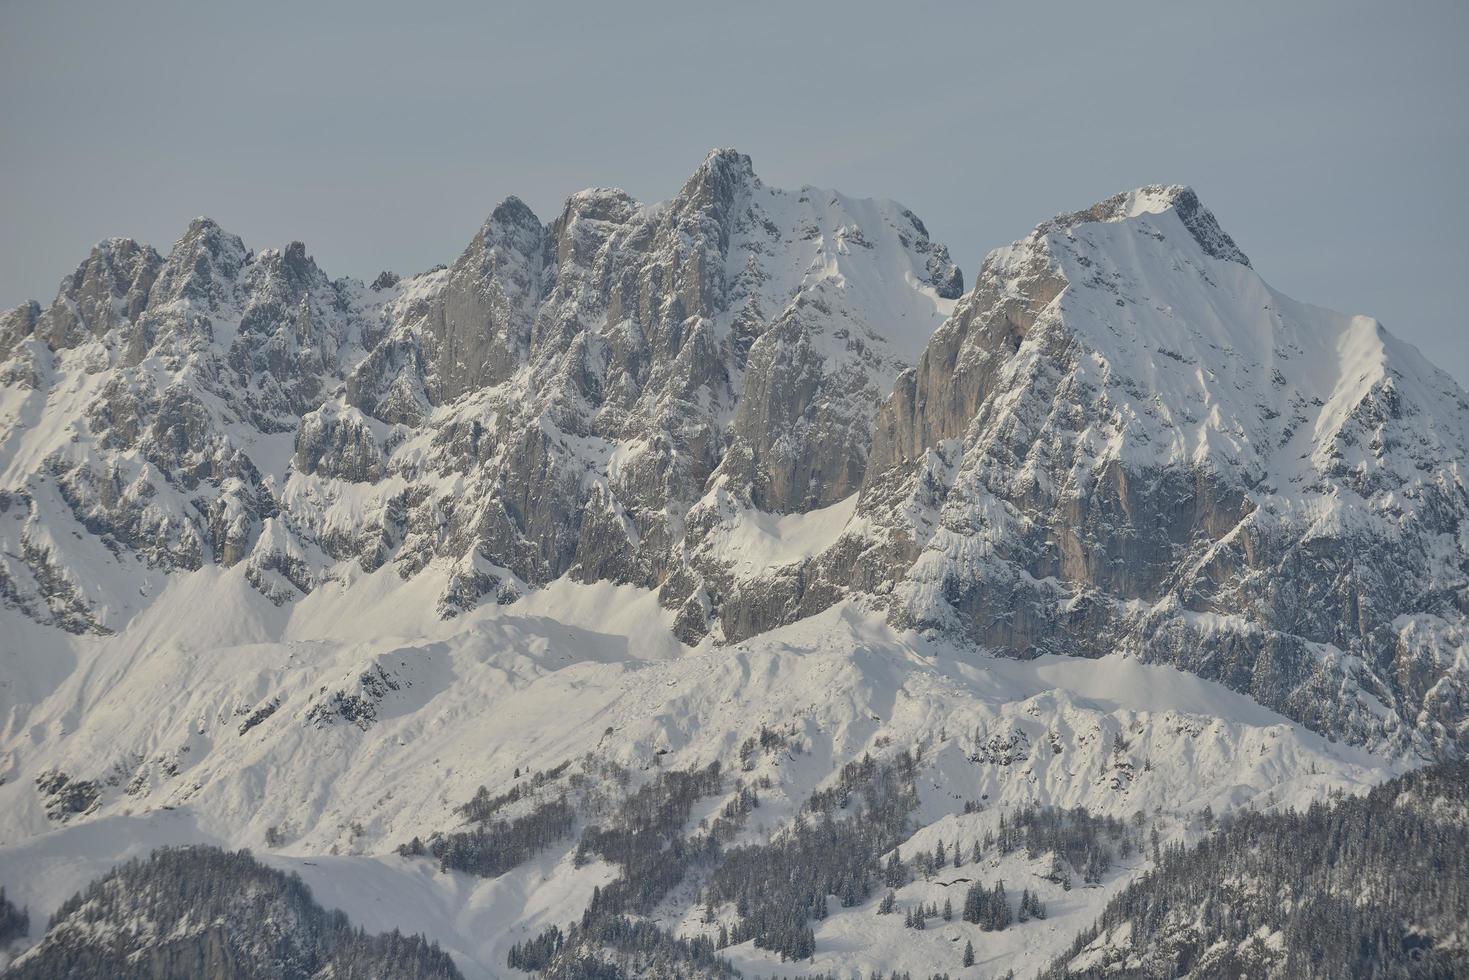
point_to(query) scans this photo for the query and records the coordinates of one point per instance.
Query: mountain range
(540, 602)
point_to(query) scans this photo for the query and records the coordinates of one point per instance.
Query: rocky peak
(476, 327)
(1205, 228)
(511, 213)
(1159, 199)
(586, 222)
(715, 188)
(16, 326)
(201, 268)
(124, 266)
(293, 323)
(512, 242)
(111, 287)
(286, 273)
(609, 204)
(723, 166)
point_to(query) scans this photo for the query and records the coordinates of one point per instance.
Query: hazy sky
(1329, 138)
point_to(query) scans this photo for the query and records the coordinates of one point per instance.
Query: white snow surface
(850, 252)
(574, 669)
(1239, 376)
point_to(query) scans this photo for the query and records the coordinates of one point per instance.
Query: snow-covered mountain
(744, 478)
(1123, 439)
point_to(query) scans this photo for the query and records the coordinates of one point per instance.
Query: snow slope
(576, 669)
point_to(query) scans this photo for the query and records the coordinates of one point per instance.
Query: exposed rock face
(476, 329)
(107, 290)
(1121, 438)
(337, 441)
(591, 408)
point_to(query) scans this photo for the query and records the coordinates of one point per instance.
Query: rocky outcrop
(476, 328)
(108, 291)
(338, 442)
(590, 411)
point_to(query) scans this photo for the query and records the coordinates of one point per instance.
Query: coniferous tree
(999, 908)
(895, 876)
(778, 886)
(14, 922)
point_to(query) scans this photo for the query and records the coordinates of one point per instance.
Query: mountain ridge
(604, 396)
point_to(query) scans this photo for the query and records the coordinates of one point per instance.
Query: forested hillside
(1366, 886)
(210, 914)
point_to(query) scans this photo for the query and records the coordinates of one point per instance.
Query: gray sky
(1329, 138)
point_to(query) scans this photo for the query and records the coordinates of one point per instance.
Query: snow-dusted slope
(189, 734)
